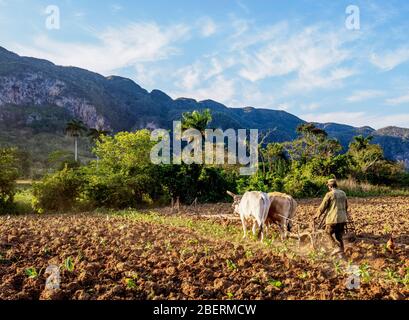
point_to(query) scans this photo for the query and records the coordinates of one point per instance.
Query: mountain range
(37, 98)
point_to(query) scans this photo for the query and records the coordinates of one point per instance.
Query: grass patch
(363, 190)
(23, 201)
(202, 227)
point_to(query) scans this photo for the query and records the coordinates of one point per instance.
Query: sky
(314, 58)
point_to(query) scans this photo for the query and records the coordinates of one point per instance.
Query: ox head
(236, 201)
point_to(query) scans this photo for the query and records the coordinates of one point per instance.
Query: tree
(9, 172)
(96, 134)
(125, 175)
(75, 128)
(196, 120)
(312, 142)
(310, 129)
(274, 156)
(360, 143)
(370, 164)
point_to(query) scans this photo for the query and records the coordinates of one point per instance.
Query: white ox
(252, 207)
(281, 211)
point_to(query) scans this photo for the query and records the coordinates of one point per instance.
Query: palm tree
(96, 134)
(196, 120)
(75, 128)
(361, 143)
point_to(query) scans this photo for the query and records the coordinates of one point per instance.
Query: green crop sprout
(31, 273)
(69, 264)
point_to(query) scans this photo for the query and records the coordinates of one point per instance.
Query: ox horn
(231, 194)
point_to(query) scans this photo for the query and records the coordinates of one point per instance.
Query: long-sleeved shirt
(335, 205)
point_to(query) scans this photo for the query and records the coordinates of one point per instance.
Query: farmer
(335, 207)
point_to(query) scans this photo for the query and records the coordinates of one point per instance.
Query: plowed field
(198, 254)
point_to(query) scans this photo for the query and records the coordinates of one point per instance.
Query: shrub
(258, 182)
(58, 191)
(188, 182)
(213, 184)
(305, 187)
(119, 190)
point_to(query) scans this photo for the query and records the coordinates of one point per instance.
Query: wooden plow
(315, 232)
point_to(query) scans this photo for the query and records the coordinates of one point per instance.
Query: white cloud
(114, 48)
(217, 66)
(359, 119)
(311, 58)
(240, 26)
(363, 95)
(204, 69)
(284, 106)
(390, 60)
(309, 81)
(79, 14)
(208, 27)
(351, 118)
(313, 55)
(242, 39)
(219, 89)
(250, 94)
(116, 8)
(399, 100)
(310, 106)
(189, 77)
(147, 74)
(400, 120)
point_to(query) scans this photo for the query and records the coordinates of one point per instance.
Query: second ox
(281, 211)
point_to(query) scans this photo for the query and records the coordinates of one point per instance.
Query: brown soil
(122, 258)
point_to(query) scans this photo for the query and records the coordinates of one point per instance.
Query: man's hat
(332, 183)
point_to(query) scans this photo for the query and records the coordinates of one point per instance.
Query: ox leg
(244, 228)
(261, 233)
(283, 233)
(266, 226)
(286, 228)
(254, 228)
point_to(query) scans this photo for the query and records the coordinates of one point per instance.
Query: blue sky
(297, 56)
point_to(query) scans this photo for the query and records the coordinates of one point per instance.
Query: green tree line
(123, 176)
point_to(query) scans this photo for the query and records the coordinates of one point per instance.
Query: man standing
(335, 207)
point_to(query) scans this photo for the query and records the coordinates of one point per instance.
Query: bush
(338, 166)
(119, 190)
(58, 191)
(304, 187)
(258, 182)
(213, 184)
(188, 182)
(404, 180)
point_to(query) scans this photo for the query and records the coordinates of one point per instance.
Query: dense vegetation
(123, 176)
